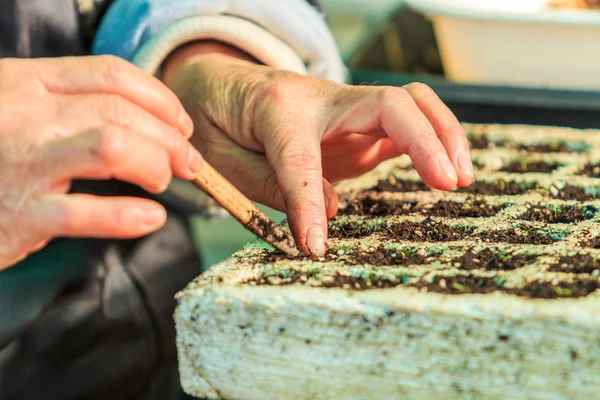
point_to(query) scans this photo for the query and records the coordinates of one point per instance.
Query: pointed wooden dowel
(242, 209)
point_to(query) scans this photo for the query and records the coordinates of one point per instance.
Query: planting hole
(371, 204)
(559, 215)
(492, 259)
(522, 167)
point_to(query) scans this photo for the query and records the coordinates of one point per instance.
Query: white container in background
(516, 42)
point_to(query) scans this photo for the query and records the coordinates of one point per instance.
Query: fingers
(112, 75)
(109, 152)
(251, 173)
(79, 215)
(447, 128)
(393, 111)
(98, 110)
(412, 134)
(294, 152)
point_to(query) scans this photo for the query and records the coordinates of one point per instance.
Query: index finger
(113, 75)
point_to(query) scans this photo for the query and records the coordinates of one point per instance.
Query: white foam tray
(516, 42)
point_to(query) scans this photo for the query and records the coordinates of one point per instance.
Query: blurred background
(491, 61)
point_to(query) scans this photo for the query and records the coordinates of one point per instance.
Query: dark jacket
(89, 319)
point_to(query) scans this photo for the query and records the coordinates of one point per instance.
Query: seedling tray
(488, 292)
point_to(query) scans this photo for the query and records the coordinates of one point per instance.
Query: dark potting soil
(479, 142)
(488, 259)
(579, 264)
(370, 204)
(379, 257)
(591, 170)
(426, 231)
(570, 192)
(536, 289)
(400, 186)
(497, 188)
(525, 167)
(454, 285)
(386, 257)
(558, 147)
(518, 236)
(562, 215)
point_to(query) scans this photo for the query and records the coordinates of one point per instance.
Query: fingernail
(447, 167)
(152, 216)
(186, 123)
(195, 161)
(315, 241)
(464, 163)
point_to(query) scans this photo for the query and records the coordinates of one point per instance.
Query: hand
(284, 139)
(84, 118)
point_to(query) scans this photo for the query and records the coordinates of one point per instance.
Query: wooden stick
(242, 209)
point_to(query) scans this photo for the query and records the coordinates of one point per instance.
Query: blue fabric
(128, 24)
(123, 28)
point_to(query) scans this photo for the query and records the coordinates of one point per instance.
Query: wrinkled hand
(284, 139)
(84, 118)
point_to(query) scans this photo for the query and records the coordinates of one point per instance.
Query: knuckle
(277, 85)
(114, 110)
(419, 89)
(112, 70)
(108, 145)
(299, 157)
(394, 96)
(178, 146)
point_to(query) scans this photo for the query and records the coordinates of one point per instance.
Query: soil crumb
(479, 142)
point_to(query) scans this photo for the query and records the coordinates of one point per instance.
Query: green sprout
(459, 287)
(502, 185)
(523, 164)
(562, 291)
